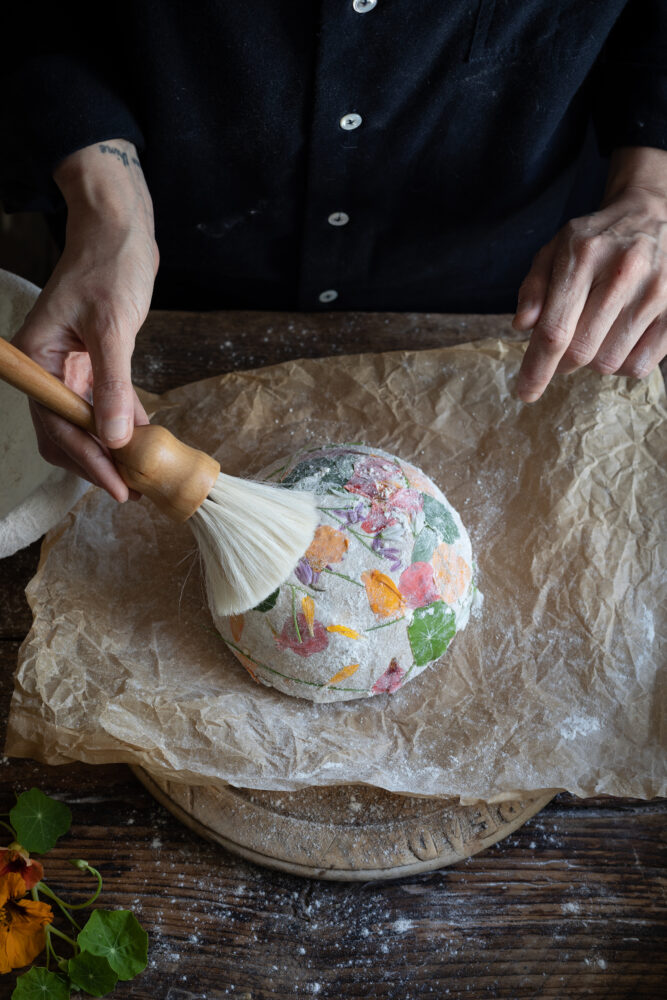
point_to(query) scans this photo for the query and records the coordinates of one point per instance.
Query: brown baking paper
(555, 684)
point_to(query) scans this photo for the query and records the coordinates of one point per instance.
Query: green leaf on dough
(424, 546)
(268, 603)
(334, 471)
(430, 632)
(438, 517)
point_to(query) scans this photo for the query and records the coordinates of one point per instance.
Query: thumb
(113, 395)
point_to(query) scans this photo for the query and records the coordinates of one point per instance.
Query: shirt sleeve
(630, 88)
(55, 100)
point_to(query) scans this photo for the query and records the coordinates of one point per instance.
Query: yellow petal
(383, 595)
(345, 672)
(308, 607)
(344, 630)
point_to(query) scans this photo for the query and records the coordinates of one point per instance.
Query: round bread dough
(385, 584)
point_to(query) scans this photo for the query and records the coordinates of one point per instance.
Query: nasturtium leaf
(269, 602)
(119, 937)
(430, 632)
(424, 546)
(40, 984)
(92, 973)
(334, 471)
(39, 820)
(438, 517)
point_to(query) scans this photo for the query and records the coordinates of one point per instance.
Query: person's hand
(596, 294)
(83, 326)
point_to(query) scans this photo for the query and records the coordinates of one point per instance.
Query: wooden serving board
(344, 832)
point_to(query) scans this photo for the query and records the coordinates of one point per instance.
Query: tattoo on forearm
(120, 155)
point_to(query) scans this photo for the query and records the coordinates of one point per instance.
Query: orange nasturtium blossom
(328, 546)
(15, 858)
(452, 573)
(384, 597)
(22, 923)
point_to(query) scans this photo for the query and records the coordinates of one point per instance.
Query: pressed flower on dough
(328, 546)
(452, 573)
(383, 595)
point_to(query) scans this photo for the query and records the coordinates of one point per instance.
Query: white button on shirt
(328, 296)
(363, 6)
(338, 219)
(350, 121)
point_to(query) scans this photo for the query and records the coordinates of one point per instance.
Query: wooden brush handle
(174, 476)
(29, 377)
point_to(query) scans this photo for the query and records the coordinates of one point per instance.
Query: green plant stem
(296, 623)
(75, 906)
(384, 624)
(63, 907)
(342, 575)
(8, 827)
(65, 937)
(50, 950)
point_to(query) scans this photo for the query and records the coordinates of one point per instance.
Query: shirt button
(350, 121)
(362, 6)
(328, 296)
(338, 219)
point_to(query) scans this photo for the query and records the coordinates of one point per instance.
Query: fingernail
(116, 429)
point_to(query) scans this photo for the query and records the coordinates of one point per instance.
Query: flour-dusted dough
(379, 594)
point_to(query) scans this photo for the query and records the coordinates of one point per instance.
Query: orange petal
(308, 607)
(12, 886)
(328, 546)
(452, 573)
(236, 625)
(24, 936)
(418, 480)
(383, 595)
(344, 630)
(247, 664)
(345, 672)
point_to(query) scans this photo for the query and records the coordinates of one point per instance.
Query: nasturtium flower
(328, 546)
(22, 923)
(390, 680)
(418, 586)
(452, 573)
(304, 644)
(383, 595)
(375, 477)
(418, 480)
(16, 859)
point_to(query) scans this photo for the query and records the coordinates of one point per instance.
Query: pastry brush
(251, 534)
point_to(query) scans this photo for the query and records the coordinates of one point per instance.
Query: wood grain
(571, 905)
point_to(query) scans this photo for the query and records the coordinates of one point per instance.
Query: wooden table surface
(571, 905)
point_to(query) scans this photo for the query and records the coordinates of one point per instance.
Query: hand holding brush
(251, 535)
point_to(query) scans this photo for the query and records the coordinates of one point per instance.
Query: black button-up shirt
(345, 154)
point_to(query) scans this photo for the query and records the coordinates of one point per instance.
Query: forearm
(105, 180)
(642, 167)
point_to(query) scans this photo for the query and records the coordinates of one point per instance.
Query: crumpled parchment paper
(555, 684)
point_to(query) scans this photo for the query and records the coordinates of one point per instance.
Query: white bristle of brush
(251, 536)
